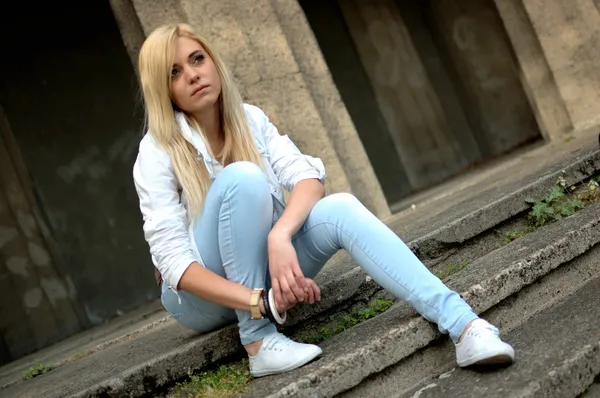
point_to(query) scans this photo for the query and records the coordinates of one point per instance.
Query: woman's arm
(287, 280)
(303, 198)
(207, 285)
(304, 177)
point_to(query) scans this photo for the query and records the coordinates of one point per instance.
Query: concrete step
(389, 338)
(558, 355)
(141, 363)
(426, 366)
(593, 391)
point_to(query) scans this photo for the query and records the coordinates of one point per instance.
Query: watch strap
(255, 299)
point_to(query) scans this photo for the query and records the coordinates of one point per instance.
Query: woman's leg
(231, 235)
(340, 221)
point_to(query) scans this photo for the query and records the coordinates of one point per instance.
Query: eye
(198, 58)
(174, 73)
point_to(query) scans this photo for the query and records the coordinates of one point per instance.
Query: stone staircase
(541, 289)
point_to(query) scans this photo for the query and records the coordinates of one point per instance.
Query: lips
(199, 89)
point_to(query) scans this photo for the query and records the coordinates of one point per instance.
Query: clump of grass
(225, 382)
(450, 270)
(37, 370)
(562, 201)
(343, 322)
(559, 203)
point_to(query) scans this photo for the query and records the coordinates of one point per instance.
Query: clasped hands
(289, 284)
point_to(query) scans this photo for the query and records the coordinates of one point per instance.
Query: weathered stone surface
(464, 217)
(437, 361)
(536, 76)
(558, 355)
(158, 356)
(569, 34)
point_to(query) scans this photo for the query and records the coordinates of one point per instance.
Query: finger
(277, 292)
(298, 292)
(298, 271)
(286, 292)
(311, 295)
(316, 290)
(303, 285)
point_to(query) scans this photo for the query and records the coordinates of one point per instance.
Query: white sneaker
(279, 354)
(481, 346)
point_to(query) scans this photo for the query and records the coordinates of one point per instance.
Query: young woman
(209, 176)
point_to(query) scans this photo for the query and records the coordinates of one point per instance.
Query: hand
(287, 280)
(313, 292)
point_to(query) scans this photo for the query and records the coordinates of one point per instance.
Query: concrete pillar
(332, 110)
(535, 73)
(260, 40)
(565, 56)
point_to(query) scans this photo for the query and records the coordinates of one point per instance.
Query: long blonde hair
(155, 65)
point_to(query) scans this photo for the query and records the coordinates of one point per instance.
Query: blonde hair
(155, 65)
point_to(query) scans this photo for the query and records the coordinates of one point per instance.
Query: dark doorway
(70, 95)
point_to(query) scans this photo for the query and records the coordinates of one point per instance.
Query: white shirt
(167, 227)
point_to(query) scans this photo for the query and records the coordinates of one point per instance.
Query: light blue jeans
(231, 235)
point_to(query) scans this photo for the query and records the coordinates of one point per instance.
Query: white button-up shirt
(168, 228)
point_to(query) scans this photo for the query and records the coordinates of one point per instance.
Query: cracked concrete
(558, 355)
(425, 366)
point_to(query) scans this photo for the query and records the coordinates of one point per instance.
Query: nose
(191, 74)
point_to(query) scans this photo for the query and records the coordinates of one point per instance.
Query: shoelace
(278, 343)
(482, 331)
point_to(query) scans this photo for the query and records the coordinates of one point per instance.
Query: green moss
(341, 322)
(450, 270)
(225, 382)
(37, 370)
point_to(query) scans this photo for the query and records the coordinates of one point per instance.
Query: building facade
(394, 95)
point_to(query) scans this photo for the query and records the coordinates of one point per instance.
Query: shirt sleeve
(164, 215)
(289, 164)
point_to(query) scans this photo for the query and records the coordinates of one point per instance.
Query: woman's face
(195, 83)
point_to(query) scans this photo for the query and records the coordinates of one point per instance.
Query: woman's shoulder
(150, 149)
(255, 115)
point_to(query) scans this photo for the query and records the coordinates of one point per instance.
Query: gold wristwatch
(255, 298)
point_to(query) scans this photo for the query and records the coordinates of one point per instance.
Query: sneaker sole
(486, 359)
(291, 366)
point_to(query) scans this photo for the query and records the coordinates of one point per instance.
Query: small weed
(37, 370)
(225, 382)
(568, 137)
(558, 204)
(451, 270)
(510, 236)
(343, 322)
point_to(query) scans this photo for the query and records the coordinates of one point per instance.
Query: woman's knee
(344, 204)
(340, 201)
(246, 176)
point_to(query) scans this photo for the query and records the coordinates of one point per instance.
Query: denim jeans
(231, 235)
